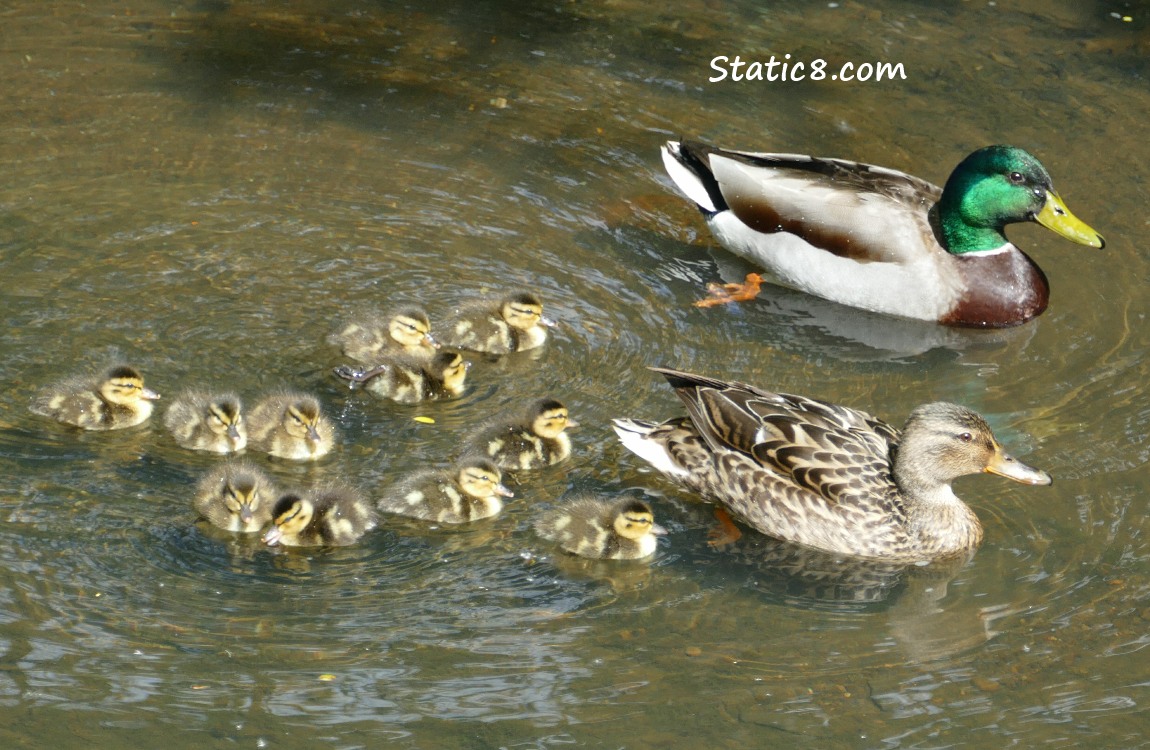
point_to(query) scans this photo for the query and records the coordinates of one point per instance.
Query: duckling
(592, 527)
(534, 440)
(515, 324)
(113, 401)
(469, 491)
(409, 381)
(327, 517)
(204, 422)
(291, 425)
(235, 497)
(406, 331)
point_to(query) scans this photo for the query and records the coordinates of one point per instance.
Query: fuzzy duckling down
(409, 381)
(827, 476)
(235, 497)
(469, 491)
(513, 324)
(290, 425)
(326, 517)
(406, 331)
(207, 422)
(589, 526)
(112, 401)
(533, 440)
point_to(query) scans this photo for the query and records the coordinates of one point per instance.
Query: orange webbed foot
(726, 532)
(722, 294)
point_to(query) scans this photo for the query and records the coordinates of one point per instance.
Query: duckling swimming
(235, 497)
(409, 381)
(204, 422)
(113, 401)
(327, 517)
(601, 529)
(469, 491)
(532, 441)
(514, 324)
(407, 331)
(290, 425)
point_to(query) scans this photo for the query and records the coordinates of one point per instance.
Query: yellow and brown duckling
(469, 491)
(408, 380)
(208, 422)
(531, 441)
(325, 517)
(235, 497)
(590, 526)
(290, 425)
(513, 324)
(112, 401)
(406, 331)
(827, 476)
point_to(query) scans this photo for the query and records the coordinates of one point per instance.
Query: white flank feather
(686, 180)
(633, 435)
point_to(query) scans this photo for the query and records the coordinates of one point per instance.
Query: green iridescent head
(1000, 185)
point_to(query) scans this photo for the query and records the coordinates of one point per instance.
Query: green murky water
(209, 188)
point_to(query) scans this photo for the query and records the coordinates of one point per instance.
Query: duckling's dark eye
(1017, 178)
(966, 437)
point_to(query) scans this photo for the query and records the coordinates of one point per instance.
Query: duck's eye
(966, 437)
(1017, 178)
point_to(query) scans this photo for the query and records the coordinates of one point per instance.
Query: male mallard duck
(235, 497)
(112, 401)
(827, 476)
(883, 240)
(601, 529)
(290, 425)
(532, 441)
(514, 324)
(409, 380)
(206, 422)
(406, 331)
(327, 517)
(469, 491)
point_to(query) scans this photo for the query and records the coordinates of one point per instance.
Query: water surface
(207, 189)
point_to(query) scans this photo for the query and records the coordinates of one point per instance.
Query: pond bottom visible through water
(210, 190)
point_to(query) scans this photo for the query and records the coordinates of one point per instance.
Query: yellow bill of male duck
(880, 239)
(827, 476)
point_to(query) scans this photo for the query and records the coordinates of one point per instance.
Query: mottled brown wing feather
(838, 453)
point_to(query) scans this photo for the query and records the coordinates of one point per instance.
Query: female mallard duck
(235, 497)
(113, 401)
(601, 529)
(409, 380)
(531, 441)
(469, 491)
(514, 324)
(204, 422)
(327, 517)
(406, 331)
(290, 425)
(827, 476)
(883, 240)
